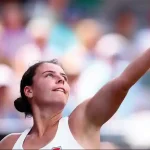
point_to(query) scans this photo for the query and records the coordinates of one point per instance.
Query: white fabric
(63, 138)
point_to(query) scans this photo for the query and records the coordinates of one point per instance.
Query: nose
(60, 80)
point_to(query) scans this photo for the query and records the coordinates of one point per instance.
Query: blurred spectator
(54, 10)
(61, 35)
(13, 35)
(6, 103)
(121, 47)
(59, 6)
(125, 25)
(125, 22)
(11, 120)
(143, 35)
(36, 50)
(112, 45)
(88, 32)
(101, 70)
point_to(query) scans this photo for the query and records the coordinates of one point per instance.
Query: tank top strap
(19, 142)
(63, 125)
(64, 128)
(65, 132)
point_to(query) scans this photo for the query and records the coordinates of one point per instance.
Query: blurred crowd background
(94, 40)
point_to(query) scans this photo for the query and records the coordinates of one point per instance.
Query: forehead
(49, 67)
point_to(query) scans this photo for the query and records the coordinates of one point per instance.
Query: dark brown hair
(21, 103)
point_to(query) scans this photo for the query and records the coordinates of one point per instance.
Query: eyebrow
(48, 71)
(63, 74)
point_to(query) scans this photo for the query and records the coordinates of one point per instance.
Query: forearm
(136, 69)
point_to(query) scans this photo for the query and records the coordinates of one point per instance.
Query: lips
(60, 90)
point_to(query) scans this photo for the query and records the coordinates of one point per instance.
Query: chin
(59, 105)
(59, 101)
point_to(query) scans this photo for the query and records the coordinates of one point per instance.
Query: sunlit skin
(87, 119)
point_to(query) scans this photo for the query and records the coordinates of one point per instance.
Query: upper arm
(107, 100)
(90, 115)
(97, 110)
(101, 107)
(9, 141)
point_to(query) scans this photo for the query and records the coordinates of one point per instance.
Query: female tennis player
(44, 93)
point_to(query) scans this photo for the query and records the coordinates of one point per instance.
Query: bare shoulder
(9, 141)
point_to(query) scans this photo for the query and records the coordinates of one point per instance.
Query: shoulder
(9, 141)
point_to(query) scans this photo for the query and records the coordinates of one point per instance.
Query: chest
(56, 139)
(51, 142)
(35, 142)
(59, 138)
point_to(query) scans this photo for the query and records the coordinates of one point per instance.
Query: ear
(28, 91)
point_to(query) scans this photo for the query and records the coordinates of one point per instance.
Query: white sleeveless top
(62, 140)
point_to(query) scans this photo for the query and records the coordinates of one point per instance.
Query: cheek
(41, 87)
(68, 88)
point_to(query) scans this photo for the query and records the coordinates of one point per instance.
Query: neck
(44, 119)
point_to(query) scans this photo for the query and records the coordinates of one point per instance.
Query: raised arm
(107, 100)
